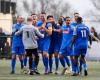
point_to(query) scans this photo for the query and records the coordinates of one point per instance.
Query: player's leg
(56, 54)
(37, 60)
(84, 61)
(21, 52)
(13, 62)
(50, 62)
(25, 60)
(67, 60)
(76, 66)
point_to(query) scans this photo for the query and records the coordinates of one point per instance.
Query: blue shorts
(18, 50)
(54, 47)
(80, 50)
(44, 44)
(65, 50)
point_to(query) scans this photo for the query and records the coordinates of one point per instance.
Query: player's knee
(61, 56)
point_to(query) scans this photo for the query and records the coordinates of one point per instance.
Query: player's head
(43, 16)
(20, 19)
(30, 20)
(76, 15)
(34, 15)
(68, 20)
(60, 20)
(50, 18)
(79, 20)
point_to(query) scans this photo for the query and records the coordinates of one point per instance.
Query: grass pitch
(5, 68)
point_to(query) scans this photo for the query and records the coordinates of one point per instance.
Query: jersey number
(27, 32)
(83, 32)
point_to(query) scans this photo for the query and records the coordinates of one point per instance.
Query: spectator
(93, 31)
(3, 40)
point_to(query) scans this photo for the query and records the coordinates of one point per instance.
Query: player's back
(29, 36)
(82, 35)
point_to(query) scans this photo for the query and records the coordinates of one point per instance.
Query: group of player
(63, 40)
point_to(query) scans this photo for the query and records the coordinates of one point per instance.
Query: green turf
(5, 68)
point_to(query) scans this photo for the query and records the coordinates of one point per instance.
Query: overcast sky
(82, 6)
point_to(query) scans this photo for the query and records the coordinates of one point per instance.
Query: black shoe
(36, 72)
(12, 72)
(85, 73)
(31, 72)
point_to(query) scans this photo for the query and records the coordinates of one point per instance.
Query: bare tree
(55, 8)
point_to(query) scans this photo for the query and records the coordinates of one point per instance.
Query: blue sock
(81, 63)
(45, 61)
(85, 66)
(13, 64)
(50, 64)
(73, 66)
(63, 62)
(67, 61)
(57, 63)
(25, 62)
(33, 65)
(21, 61)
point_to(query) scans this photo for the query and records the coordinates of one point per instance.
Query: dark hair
(67, 17)
(79, 20)
(33, 14)
(49, 16)
(76, 13)
(43, 13)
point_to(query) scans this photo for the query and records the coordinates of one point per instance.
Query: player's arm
(73, 38)
(73, 41)
(57, 30)
(19, 32)
(38, 33)
(48, 29)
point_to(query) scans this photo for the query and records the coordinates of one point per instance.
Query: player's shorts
(65, 50)
(18, 50)
(80, 50)
(44, 44)
(54, 47)
(30, 52)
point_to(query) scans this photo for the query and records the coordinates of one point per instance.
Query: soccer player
(44, 43)
(80, 41)
(17, 44)
(54, 48)
(67, 31)
(29, 33)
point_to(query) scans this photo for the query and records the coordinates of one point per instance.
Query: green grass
(5, 68)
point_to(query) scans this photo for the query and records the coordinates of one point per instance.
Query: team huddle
(64, 40)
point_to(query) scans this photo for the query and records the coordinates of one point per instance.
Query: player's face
(20, 19)
(76, 16)
(68, 21)
(34, 21)
(43, 17)
(34, 16)
(51, 20)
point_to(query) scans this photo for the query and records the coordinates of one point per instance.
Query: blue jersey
(74, 24)
(44, 43)
(16, 40)
(67, 34)
(66, 40)
(82, 33)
